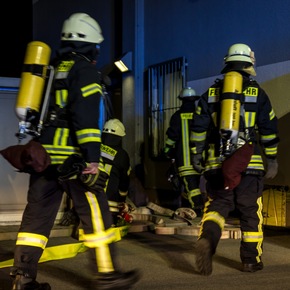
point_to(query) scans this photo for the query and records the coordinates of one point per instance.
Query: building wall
(13, 184)
(202, 31)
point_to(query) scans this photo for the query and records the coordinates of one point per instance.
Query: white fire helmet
(240, 52)
(240, 57)
(115, 127)
(81, 27)
(186, 93)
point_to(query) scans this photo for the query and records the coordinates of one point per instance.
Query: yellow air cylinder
(230, 105)
(33, 78)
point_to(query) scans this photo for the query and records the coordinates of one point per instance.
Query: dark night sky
(16, 32)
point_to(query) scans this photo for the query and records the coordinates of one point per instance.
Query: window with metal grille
(165, 81)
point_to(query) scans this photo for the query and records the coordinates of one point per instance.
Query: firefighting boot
(204, 253)
(23, 281)
(252, 267)
(115, 280)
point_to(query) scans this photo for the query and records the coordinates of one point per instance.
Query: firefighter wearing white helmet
(177, 148)
(240, 57)
(81, 34)
(117, 164)
(186, 93)
(81, 27)
(115, 127)
(73, 128)
(234, 180)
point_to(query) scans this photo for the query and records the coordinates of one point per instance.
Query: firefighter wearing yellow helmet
(234, 180)
(72, 138)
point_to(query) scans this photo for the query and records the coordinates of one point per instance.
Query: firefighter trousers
(44, 199)
(246, 199)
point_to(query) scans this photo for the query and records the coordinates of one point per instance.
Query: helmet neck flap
(89, 50)
(240, 66)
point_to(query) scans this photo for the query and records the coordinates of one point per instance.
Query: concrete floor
(168, 262)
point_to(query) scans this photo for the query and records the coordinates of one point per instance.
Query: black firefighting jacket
(258, 124)
(178, 134)
(117, 165)
(74, 121)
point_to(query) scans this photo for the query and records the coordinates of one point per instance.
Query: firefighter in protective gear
(117, 164)
(116, 159)
(73, 126)
(177, 147)
(256, 116)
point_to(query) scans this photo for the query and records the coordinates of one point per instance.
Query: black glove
(72, 167)
(197, 162)
(173, 176)
(272, 168)
(169, 152)
(95, 181)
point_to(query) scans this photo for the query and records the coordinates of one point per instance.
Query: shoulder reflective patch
(91, 89)
(186, 116)
(213, 95)
(108, 150)
(63, 69)
(213, 92)
(251, 92)
(213, 99)
(65, 66)
(250, 99)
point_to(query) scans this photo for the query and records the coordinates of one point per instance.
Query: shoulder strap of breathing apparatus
(57, 115)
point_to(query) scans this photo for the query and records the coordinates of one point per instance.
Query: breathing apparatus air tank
(230, 112)
(31, 90)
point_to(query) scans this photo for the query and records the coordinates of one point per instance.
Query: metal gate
(165, 81)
